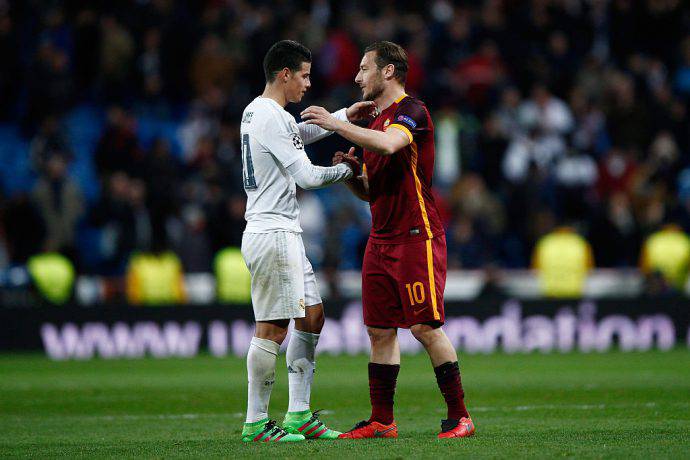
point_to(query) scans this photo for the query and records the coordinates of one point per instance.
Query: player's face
(298, 83)
(370, 77)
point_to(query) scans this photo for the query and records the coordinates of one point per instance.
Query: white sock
(301, 366)
(261, 370)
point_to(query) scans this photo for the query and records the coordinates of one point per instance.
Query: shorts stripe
(432, 281)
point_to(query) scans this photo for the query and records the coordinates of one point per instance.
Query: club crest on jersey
(407, 120)
(386, 123)
(297, 141)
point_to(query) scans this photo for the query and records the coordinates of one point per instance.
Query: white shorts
(283, 280)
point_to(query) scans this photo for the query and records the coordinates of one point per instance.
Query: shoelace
(315, 416)
(448, 424)
(361, 424)
(272, 429)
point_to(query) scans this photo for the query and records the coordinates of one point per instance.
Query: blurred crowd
(547, 113)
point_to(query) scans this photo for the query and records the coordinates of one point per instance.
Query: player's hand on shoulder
(363, 110)
(315, 115)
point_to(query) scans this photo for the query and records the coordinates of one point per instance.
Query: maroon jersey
(402, 206)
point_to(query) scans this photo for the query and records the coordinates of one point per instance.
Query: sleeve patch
(407, 120)
(297, 141)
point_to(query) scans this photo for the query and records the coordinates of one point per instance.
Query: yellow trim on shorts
(432, 281)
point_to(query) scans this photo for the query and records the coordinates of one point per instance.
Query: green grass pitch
(611, 405)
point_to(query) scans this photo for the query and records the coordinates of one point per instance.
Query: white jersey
(271, 142)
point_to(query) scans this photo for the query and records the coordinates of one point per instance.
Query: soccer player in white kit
(283, 282)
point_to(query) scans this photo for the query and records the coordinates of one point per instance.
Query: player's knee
(277, 335)
(379, 335)
(424, 333)
(317, 321)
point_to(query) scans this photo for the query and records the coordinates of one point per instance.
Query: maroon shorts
(402, 284)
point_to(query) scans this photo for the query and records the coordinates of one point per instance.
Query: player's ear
(284, 75)
(388, 71)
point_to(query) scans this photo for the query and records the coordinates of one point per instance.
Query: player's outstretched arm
(309, 176)
(381, 142)
(363, 110)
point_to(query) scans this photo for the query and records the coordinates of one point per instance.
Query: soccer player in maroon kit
(404, 269)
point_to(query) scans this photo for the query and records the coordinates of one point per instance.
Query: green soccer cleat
(267, 431)
(309, 425)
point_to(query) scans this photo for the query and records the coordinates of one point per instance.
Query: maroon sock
(382, 379)
(448, 379)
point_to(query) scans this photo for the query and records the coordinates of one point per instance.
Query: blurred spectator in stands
(467, 248)
(535, 149)
(624, 37)
(117, 56)
(10, 70)
(118, 148)
(49, 83)
(562, 259)
(667, 252)
(87, 38)
(492, 148)
(60, 204)
(477, 76)
(669, 113)
(615, 233)
(561, 61)
(212, 66)
(681, 79)
(150, 74)
(546, 113)
(663, 162)
(627, 117)
(203, 120)
(142, 227)
(470, 197)
(192, 243)
(162, 173)
(121, 229)
(24, 229)
(49, 139)
(575, 175)
(226, 222)
(507, 113)
(617, 171)
(589, 134)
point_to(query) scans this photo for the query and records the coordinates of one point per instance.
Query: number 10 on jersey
(247, 166)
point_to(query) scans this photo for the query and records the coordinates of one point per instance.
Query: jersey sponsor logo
(247, 118)
(301, 304)
(297, 141)
(414, 231)
(407, 120)
(386, 123)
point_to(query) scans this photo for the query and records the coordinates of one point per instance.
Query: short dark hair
(285, 53)
(390, 53)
